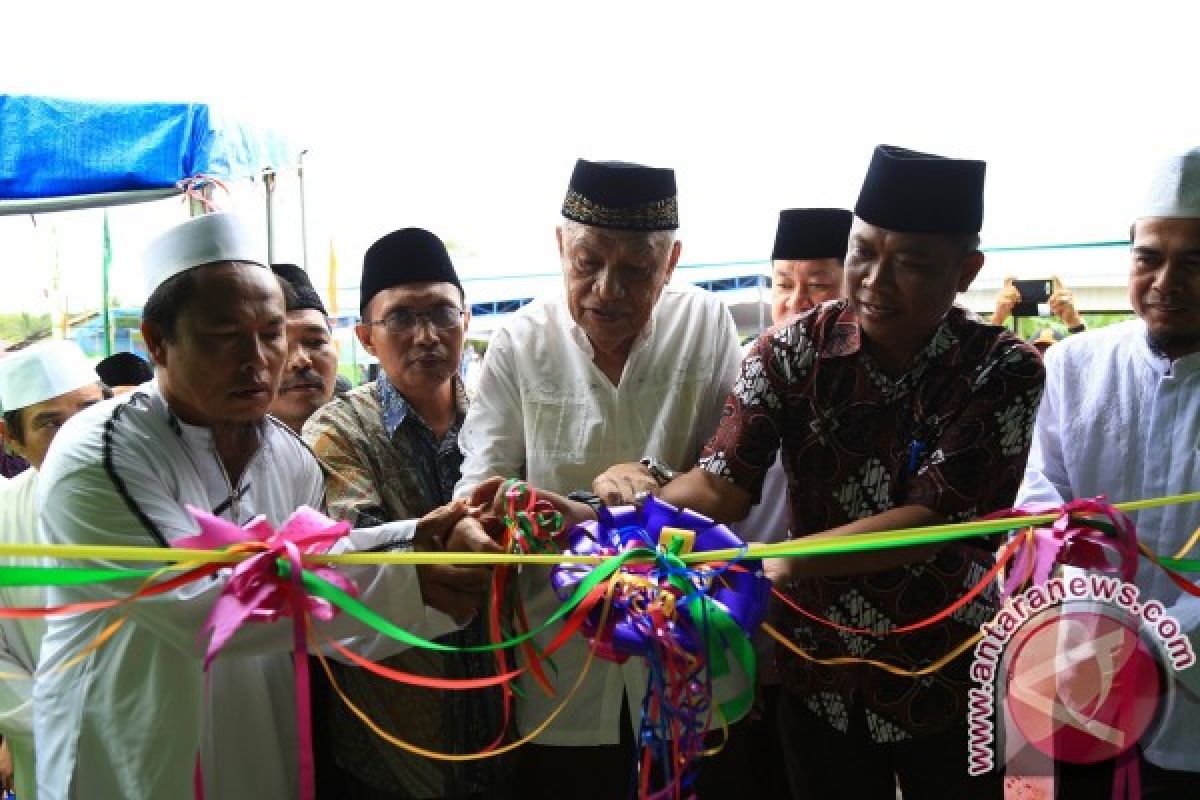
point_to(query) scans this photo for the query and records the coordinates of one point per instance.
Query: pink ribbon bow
(256, 591)
(1071, 541)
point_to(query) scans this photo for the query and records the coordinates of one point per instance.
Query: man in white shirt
(622, 366)
(41, 387)
(128, 719)
(1121, 417)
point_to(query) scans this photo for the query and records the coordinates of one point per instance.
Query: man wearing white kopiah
(40, 388)
(619, 368)
(1121, 417)
(127, 720)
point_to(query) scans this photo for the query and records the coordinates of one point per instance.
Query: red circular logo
(1082, 687)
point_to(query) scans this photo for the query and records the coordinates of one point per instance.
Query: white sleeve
(16, 685)
(1046, 479)
(727, 365)
(492, 439)
(81, 507)
(1186, 611)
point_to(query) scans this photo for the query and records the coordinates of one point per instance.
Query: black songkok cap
(629, 197)
(124, 369)
(807, 233)
(911, 192)
(410, 255)
(305, 296)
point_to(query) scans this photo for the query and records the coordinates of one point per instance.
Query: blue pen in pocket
(915, 451)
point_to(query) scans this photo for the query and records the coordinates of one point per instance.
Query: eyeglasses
(403, 320)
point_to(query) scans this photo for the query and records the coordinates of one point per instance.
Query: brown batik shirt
(383, 463)
(950, 434)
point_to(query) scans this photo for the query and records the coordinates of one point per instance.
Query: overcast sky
(466, 117)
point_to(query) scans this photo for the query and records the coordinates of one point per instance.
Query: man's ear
(970, 266)
(676, 249)
(363, 332)
(156, 344)
(558, 237)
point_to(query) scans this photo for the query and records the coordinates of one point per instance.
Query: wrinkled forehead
(923, 244)
(1181, 233)
(228, 288)
(629, 243)
(307, 319)
(803, 269)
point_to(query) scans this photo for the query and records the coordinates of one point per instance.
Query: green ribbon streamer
(319, 587)
(1191, 565)
(700, 606)
(68, 576)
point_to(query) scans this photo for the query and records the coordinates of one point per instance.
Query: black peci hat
(305, 296)
(809, 233)
(621, 196)
(409, 255)
(911, 192)
(124, 369)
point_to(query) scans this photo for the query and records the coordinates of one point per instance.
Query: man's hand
(434, 528)
(621, 483)
(6, 766)
(1062, 304)
(779, 570)
(488, 496)
(456, 590)
(1006, 301)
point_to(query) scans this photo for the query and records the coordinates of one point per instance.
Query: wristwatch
(661, 473)
(1080, 328)
(590, 498)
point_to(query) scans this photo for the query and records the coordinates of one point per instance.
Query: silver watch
(661, 473)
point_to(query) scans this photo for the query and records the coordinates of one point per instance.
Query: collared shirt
(128, 720)
(438, 462)
(950, 434)
(20, 639)
(1122, 421)
(546, 413)
(383, 462)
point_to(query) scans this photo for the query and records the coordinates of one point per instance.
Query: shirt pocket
(555, 427)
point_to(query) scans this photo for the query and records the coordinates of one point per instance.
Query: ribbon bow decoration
(1084, 534)
(257, 590)
(267, 587)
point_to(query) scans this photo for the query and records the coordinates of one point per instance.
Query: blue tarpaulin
(51, 147)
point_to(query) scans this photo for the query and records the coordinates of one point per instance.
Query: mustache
(307, 375)
(431, 352)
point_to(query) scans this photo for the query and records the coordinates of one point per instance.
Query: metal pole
(762, 323)
(303, 212)
(104, 309)
(269, 183)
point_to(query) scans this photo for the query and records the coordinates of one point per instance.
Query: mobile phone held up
(1033, 294)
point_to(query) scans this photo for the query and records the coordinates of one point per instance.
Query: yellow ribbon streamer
(793, 548)
(1191, 542)
(968, 643)
(396, 741)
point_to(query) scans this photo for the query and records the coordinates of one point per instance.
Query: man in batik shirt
(388, 449)
(895, 409)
